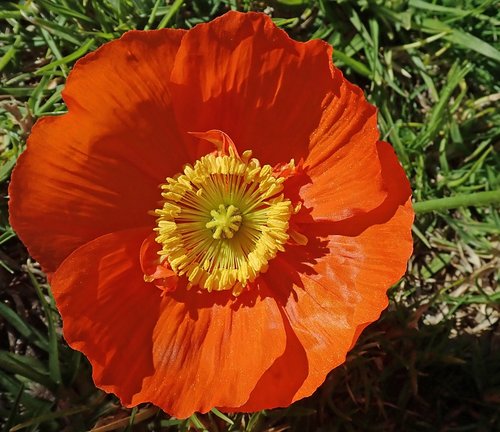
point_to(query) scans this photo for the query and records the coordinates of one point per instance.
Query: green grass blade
(54, 366)
(24, 329)
(170, 14)
(476, 199)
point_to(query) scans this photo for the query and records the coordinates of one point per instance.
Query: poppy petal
(362, 282)
(343, 161)
(97, 168)
(242, 75)
(108, 311)
(283, 99)
(390, 233)
(338, 296)
(362, 263)
(281, 381)
(211, 349)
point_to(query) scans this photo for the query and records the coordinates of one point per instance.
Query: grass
(432, 362)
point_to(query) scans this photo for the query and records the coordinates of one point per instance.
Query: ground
(432, 362)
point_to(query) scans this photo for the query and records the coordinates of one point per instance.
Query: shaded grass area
(432, 363)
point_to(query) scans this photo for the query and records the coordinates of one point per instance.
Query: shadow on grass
(405, 376)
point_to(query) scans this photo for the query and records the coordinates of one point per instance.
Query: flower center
(222, 220)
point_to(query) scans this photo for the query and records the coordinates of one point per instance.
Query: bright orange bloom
(279, 225)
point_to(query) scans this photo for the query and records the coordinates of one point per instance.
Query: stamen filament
(223, 219)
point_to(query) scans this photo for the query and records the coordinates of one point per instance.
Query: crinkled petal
(343, 161)
(109, 313)
(364, 268)
(281, 381)
(97, 168)
(242, 75)
(211, 349)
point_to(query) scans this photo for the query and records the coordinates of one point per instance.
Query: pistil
(225, 221)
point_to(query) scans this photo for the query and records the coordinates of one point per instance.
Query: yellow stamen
(223, 219)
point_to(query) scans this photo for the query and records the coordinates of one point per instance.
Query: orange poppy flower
(280, 222)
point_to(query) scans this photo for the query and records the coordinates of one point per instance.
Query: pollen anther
(223, 219)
